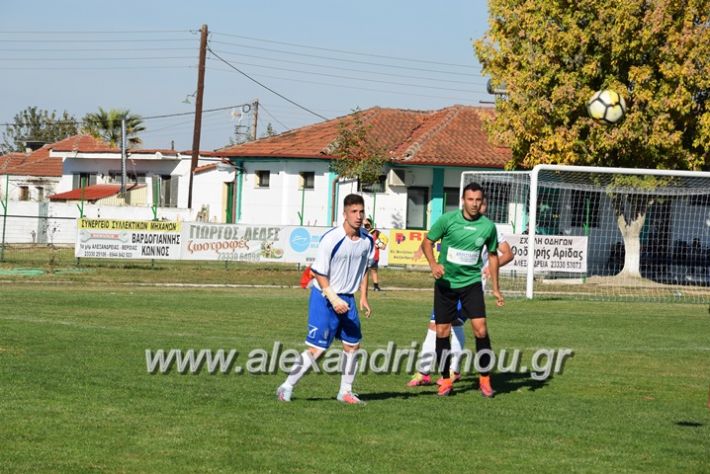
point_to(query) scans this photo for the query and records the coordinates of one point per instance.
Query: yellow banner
(152, 226)
(404, 248)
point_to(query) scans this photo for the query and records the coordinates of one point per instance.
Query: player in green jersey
(464, 234)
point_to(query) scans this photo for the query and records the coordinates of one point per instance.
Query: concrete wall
(55, 223)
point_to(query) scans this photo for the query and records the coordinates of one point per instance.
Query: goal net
(602, 233)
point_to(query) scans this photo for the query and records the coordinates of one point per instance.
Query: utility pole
(198, 110)
(255, 105)
(123, 157)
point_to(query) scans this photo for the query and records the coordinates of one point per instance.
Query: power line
(336, 76)
(331, 58)
(159, 40)
(86, 68)
(147, 58)
(399, 58)
(264, 86)
(84, 50)
(342, 86)
(89, 32)
(147, 117)
(390, 74)
(273, 117)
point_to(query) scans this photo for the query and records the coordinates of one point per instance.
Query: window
(417, 199)
(40, 193)
(24, 193)
(584, 209)
(262, 178)
(308, 179)
(169, 190)
(376, 187)
(131, 178)
(451, 199)
(81, 180)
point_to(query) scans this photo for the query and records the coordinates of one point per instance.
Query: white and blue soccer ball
(607, 106)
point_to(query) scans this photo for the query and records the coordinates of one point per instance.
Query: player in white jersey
(458, 337)
(344, 255)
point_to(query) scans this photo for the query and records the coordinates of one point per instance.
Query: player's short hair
(352, 199)
(473, 186)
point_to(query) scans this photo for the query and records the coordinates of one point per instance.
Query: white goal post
(603, 233)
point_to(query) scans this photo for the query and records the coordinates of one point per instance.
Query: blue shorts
(324, 324)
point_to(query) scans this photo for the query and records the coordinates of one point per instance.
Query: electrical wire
(377, 81)
(390, 74)
(264, 86)
(399, 58)
(331, 58)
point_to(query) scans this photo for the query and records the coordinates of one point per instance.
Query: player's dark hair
(473, 186)
(351, 199)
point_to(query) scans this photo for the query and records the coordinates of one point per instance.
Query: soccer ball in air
(606, 105)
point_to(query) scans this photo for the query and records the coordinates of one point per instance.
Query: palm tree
(106, 125)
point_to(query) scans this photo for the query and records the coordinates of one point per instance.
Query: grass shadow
(504, 382)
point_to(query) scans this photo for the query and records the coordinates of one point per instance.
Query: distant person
(380, 244)
(344, 255)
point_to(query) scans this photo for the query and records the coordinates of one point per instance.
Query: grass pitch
(75, 394)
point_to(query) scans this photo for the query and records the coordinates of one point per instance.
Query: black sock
(484, 359)
(443, 350)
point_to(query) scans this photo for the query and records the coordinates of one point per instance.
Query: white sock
(307, 360)
(458, 338)
(428, 349)
(347, 378)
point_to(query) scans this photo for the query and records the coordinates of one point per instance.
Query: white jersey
(343, 260)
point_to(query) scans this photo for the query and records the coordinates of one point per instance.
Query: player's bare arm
(340, 306)
(437, 270)
(364, 304)
(494, 264)
(505, 254)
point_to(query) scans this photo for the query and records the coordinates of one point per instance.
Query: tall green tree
(359, 156)
(551, 56)
(34, 124)
(106, 125)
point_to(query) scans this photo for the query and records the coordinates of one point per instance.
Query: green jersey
(462, 242)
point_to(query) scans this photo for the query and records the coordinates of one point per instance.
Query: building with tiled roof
(286, 179)
(30, 176)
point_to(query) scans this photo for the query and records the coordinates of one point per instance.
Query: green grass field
(75, 394)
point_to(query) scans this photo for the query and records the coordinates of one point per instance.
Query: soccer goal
(602, 233)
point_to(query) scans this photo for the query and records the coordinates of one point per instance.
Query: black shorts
(445, 300)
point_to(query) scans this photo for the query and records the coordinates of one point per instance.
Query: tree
(270, 132)
(33, 124)
(551, 56)
(106, 125)
(358, 155)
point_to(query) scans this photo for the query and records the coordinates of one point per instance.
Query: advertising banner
(553, 253)
(250, 243)
(103, 238)
(404, 248)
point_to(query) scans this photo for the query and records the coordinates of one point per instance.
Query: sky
(321, 59)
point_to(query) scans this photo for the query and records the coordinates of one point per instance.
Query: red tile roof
(37, 163)
(93, 192)
(203, 168)
(454, 136)
(85, 144)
